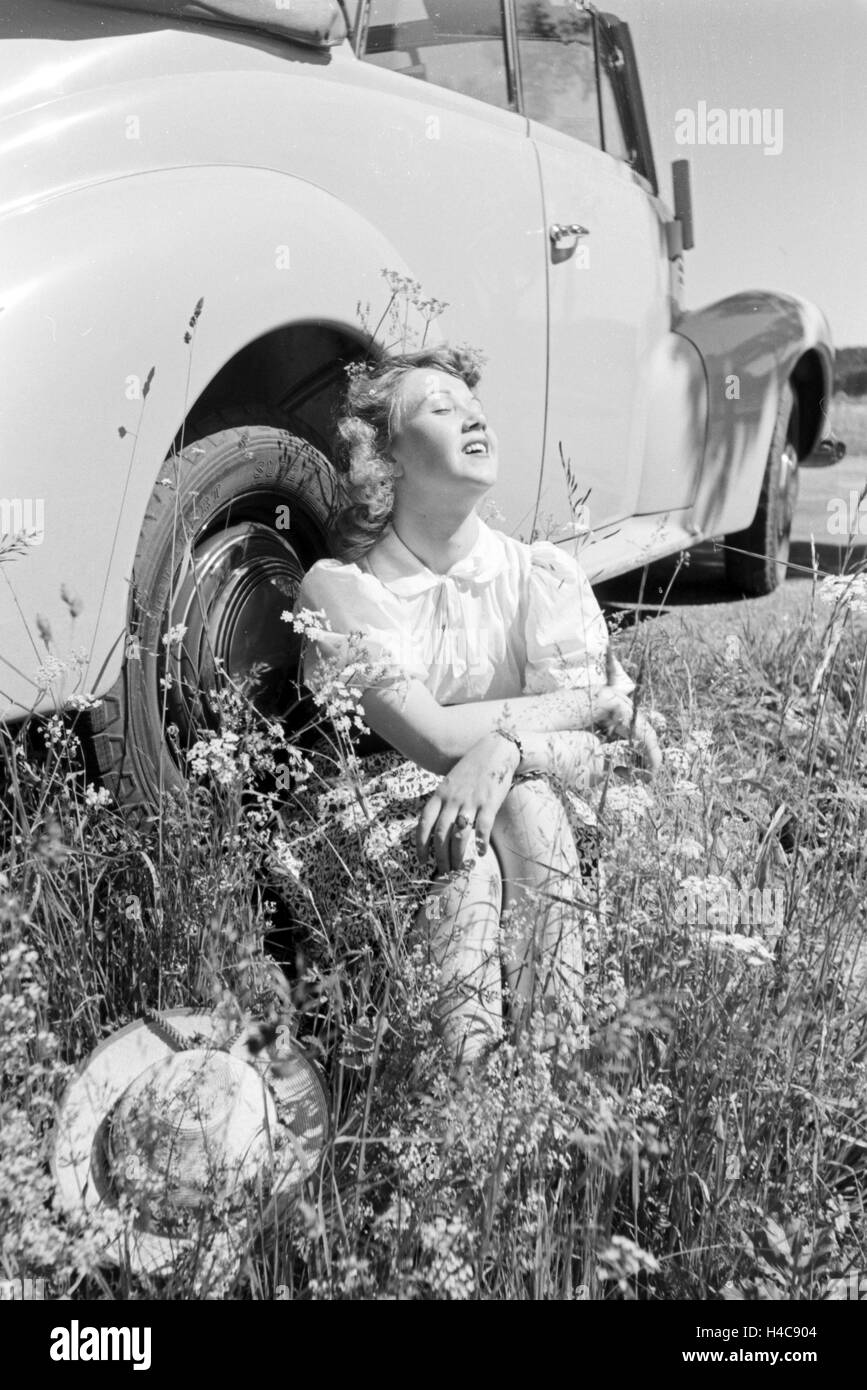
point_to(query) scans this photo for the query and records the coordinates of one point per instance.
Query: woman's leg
(545, 902)
(461, 918)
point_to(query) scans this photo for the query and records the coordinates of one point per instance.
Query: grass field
(711, 1142)
(849, 423)
(823, 491)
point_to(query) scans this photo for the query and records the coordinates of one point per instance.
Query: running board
(632, 544)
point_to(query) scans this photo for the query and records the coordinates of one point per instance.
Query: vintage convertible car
(199, 202)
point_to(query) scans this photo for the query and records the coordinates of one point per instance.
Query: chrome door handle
(560, 232)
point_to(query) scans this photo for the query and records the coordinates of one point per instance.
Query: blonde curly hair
(365, 430)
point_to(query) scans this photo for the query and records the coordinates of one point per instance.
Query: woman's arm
(574, 756)
(437, 736)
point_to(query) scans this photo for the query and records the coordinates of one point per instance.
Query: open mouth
(475, 446)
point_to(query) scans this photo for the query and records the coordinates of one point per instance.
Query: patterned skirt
(347, 863)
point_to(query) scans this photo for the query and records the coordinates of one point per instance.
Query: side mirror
(683, 201)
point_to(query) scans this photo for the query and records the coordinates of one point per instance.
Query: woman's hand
(474, 789)
(614, 712)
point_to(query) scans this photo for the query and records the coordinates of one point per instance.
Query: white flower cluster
(699, 743)
(628, 802)
(709, 886)
(623, 1260)
(685, 847)
(82, 702)
(340, 683)
(51, 670)
(695, 755)
(447, 1244)
(220, 757)
(55, 730)
(719, 900)
(849, 591)
(175, 635)
(97, 796)
(751, 949)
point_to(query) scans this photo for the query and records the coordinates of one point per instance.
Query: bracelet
(513, 738)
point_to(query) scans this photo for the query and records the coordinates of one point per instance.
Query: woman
(486, 662)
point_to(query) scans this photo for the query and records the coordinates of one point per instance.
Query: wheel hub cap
(230, 603)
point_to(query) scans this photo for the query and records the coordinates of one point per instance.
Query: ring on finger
(462, 822)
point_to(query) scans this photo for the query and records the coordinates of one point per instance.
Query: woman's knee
(532, 808)
(481, 880)
(531, 793)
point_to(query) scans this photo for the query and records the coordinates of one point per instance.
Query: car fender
(676, 429)
(751, 344)
(98, 288)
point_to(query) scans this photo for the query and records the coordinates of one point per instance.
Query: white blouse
(509, 619)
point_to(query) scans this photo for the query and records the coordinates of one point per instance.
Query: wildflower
(82, 701)
(49, 672)
(308, 621)
(623, 1260)
(175, 635)
(220, 757)
(678, 761)
(629, 803)
(55, 730)
(711, 888)
(849, 591)
(43, 627)
(97, 796)
(450, 1273)
(689, 849)
(699, 742)
(491, 513)
(752, 950)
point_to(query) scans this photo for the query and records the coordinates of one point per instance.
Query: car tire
(756, 562)
(237, 517)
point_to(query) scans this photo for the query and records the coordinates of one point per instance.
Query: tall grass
(711, 1143)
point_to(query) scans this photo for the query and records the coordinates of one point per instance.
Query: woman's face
(441, 438)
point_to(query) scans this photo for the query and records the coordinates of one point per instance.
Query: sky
(796, 220)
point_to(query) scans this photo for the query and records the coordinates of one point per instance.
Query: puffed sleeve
(566, 634)
(363, 643)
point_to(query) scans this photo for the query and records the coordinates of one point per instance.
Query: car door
(445, 167)
(607, 262)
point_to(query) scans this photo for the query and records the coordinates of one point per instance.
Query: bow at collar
(405, 575)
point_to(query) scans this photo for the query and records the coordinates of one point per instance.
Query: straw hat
(170, 1114)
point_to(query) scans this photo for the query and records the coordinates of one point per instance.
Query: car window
(558, 67)
(614, 138)
(459, 44)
